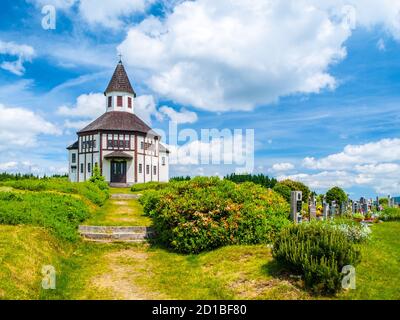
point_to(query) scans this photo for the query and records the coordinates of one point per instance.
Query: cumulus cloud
(89, 105)
(145, 108)
(183, 116)
(22, 52)
(111, 13)
(105, 13)
(14, 135)
(224, 55)
(385, 150)
(374, 164)
(36, 168)
(284, 166)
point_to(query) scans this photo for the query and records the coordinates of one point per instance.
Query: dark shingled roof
(119, 121)
(73, 146)
(120, 81)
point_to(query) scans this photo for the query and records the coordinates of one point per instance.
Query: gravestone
(333, 209)
(325, 210)
(296, 206)
(389, 201)
(312, 208)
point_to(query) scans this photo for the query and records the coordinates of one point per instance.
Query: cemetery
(290, 246)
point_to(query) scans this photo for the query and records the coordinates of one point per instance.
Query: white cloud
(93, 105)
(224, 55)
(375, 165)
(284, 166)
(23, 52)
(183, 116)
(145, 108)
(89, 105)
(21, 127)
(110, 14)
(386, 150)
(219, 55)
(59, 4)
(37, 167)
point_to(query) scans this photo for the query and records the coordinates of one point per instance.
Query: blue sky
(319, 84)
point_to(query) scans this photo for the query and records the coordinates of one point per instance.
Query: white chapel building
(125, 148)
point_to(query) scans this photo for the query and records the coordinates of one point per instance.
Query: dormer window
(129, 102)
(109, 102)
(119, 101)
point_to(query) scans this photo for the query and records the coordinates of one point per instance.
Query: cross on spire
(120, 57)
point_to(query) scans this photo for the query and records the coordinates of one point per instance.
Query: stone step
(125, 196)
(116, 236)
(119, 185)
(115, 229)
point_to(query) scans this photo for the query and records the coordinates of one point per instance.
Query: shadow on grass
(280, 272)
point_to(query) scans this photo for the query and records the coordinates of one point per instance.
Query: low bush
(390, 214)
(96, 192)
(283, 190)
(59, 213)
(318, 252)
(148, 186)
(206, 213)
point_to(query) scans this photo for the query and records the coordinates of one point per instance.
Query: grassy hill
(24, 250)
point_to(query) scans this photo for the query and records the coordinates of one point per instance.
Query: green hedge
(59, 213)
(206, 213)
(318, 252)
(95, 192)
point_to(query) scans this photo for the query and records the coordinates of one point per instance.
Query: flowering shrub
(318, 252)
(206, 213)
(355, 232)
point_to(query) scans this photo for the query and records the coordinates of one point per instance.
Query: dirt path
(122, 275)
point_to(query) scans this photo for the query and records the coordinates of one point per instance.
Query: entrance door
(118, 171)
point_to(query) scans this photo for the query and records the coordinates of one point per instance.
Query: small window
(140, 168)
(147, 169)
(81, 167)
(155, 170)
(119, 101)
(73, 159)
(109, 102)
(142, 145)
(88, 167)
(129, 102)
(163, 161)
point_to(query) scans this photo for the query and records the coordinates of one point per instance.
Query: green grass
(119, 212)
(378, 275)
(88, 190)
(121, 191)
(24, 250)
(120, 271)
(59, 213)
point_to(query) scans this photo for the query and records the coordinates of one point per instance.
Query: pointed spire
(120, 81)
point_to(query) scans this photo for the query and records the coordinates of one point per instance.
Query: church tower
(119, 93)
